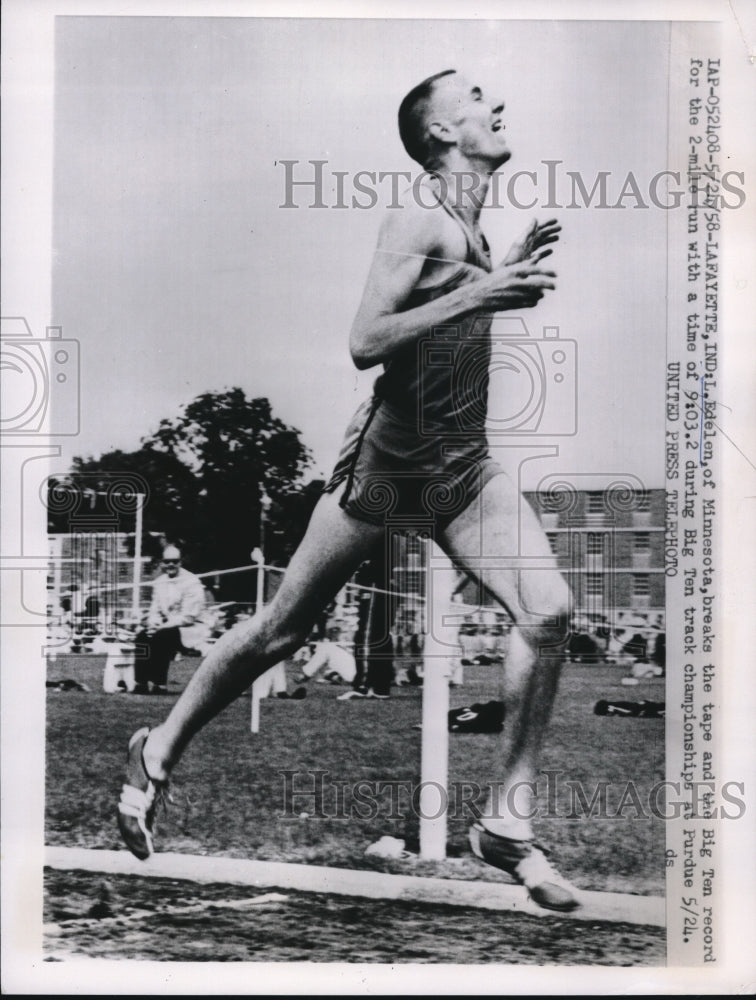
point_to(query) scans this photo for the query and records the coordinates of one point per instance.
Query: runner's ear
(440, 131)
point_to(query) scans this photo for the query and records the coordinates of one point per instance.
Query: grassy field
(230, 798)
(230, 790)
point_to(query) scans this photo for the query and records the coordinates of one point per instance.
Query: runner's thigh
(333, 547)
(498, 527)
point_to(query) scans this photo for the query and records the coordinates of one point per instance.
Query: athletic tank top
(441, 381)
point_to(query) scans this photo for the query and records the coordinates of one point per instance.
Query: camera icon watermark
(506, 383)
(40, 381)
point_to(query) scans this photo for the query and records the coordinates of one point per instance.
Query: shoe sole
(139, 841)
(505, 854)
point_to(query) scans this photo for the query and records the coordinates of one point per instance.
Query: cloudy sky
(178, 271)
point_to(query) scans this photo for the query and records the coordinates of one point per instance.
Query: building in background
(610, 548)
(611, 553)
(97, 564)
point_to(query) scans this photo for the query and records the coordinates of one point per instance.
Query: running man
(417, 449)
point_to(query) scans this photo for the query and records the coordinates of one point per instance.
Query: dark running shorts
(390, 472)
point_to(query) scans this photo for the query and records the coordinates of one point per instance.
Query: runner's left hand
(538, 235)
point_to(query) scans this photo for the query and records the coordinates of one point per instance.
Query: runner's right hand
(515, 286)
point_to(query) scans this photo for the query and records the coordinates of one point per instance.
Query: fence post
(439, 646)
(259, 682)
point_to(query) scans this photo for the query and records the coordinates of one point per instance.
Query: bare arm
(407, 238)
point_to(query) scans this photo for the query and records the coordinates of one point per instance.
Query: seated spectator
(177, 602)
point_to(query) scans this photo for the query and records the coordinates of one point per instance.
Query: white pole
(434, 764)
(257, 684)
(254, 722)
(258, 555)
(137, 559)
(262, 681)
(260, 601)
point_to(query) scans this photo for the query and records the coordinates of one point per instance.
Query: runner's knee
(550, 626)
(265, 636)
(282, 634)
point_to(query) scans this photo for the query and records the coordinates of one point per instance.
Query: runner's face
(475, 118)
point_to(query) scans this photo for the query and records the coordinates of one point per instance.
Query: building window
(642, 542)
(595, 503)
(594, 584)
(595, 544)
(641, 585)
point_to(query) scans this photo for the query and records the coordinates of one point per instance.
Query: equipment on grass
(67, 684)
(480, 717)
(388, 847)
(635, 709)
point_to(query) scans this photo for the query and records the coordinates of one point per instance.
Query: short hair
(412, 117)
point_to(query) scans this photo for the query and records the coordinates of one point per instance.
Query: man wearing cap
(177, 602)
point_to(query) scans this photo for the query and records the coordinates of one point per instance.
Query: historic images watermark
(316, 184)
(317, 794)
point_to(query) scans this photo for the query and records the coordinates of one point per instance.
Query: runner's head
(446, 112)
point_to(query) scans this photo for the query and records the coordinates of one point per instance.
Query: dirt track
(89, 912)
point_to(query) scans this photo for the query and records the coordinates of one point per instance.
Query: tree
(238, 452)
(207, 472)
(170, 490)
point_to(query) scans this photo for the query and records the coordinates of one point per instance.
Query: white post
(260, 599)
(254, 721)
(260, 684)
(137, 559)
(434, 764)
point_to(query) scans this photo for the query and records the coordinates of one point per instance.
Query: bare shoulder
(411, 228)
(420, 225)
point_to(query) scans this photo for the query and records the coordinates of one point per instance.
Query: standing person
(177, 603)
(417, 449)
(373, 642)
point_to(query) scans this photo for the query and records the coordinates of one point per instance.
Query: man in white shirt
(177, 602)
(331, 660)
